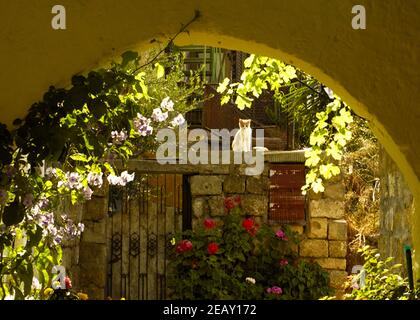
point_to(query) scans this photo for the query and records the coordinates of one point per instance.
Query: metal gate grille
(143, 217)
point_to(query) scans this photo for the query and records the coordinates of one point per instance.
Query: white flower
(122, 180)
(178, 120)
(95, 179)
(250, 280)
(87, 193)
(142, 125)
(158, 115)
(114, 180)
(167, 104)
(73, 180)
(35, 284)
(126, 177)
(119, 137)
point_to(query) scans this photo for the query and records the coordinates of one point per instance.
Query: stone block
(255, 205)
(335, 191)
(315, 195)
(216, 206)
(200, 207)
(92, 275)
(92, 253)
(257, 184)
(95, 232)
(93, 292)
(205, 185)
(337, 249)
(326, 208)
(96, 209)
(234, 184)
(313, 248)
(337, 230)
(332, 263)
(337, 278)
(318, 228)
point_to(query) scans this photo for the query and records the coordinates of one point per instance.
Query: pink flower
(209, 223)
(283, 262)
(67, 282)
(281, 235)
(212, 248)
(274, 290)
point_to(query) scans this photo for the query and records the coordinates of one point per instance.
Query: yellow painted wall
(376, 71)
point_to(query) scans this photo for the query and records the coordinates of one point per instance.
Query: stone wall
(86, 259)
(396, 208)
(324, 237)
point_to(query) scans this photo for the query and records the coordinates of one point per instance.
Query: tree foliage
(320, 109)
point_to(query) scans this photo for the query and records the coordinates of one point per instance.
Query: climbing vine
(67, 147)
(330, 132)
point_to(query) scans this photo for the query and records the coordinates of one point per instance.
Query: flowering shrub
(66, 147)
(236, 258)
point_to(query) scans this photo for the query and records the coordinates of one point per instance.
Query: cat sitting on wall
(242, 142)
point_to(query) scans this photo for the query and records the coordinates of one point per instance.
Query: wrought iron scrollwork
(169, 246)
(152, 245)
(116, 247)
(134, 244)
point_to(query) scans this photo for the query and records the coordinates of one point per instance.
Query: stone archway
(373, 70)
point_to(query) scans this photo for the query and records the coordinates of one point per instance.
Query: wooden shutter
(287, 204)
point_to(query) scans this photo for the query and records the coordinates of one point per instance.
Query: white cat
(242, 142)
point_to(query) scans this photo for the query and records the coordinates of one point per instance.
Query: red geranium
(232, 202)
(209, 223)
(183, 246)
(229, 203)
(212, 248)
(248, 224)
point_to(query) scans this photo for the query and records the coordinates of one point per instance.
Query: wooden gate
(143, 218)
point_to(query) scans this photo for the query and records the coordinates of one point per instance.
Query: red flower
(67, 282)
(253, 231)
(183, 246)
(209, 223)
(212, 248)
(248, 224)
(229, 203)
(237, 199)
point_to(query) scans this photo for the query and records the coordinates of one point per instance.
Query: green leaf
(242, 102)
(160, 70)
(248, 61)
(224, 100)
(79, 157)
(223, 86)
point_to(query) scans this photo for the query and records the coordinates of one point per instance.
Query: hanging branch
(171, 40)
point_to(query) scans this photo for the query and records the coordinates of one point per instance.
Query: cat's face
(244, 123)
